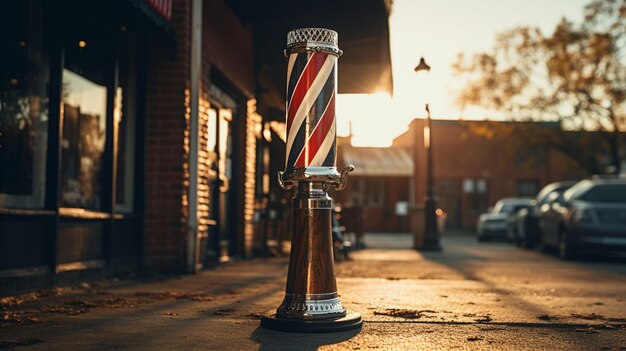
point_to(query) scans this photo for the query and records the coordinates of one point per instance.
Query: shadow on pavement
(275, 340)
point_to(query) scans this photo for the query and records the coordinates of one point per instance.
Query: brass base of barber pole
(311, 302)
(351, 321)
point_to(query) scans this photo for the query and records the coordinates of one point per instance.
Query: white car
(493, 224)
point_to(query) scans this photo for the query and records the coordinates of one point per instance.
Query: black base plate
(351, 321)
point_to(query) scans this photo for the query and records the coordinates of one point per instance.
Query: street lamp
(431, 237)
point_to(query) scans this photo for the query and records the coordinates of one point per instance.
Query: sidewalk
(467, 297)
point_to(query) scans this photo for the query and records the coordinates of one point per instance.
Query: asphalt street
(470, 296)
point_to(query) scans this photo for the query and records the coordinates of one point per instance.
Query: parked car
(527, 219)
(493, 224)
(591, 215)
(511, 221)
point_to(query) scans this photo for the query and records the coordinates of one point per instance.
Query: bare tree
(575, 76)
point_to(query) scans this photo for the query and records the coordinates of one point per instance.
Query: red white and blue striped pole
(311, 302)
(311, 91)
(311, 145)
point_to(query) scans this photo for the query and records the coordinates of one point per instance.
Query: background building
(477, 163)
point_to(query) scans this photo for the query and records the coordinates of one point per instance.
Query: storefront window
(84, 108)
(24, 73)
(84, 126)
(476, 195)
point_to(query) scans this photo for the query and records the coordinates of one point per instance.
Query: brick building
(474, 166)
(378, 191)
(146, 133)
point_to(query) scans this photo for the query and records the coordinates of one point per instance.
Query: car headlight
(582, 216)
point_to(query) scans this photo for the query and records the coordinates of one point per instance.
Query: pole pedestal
(311, 302)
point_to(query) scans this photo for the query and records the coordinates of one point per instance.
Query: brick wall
(253, 127)
(167, 100)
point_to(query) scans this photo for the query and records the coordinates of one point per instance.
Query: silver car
(493, 224)
(591, 215)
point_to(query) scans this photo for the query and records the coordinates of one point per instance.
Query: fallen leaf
(408, 314)
(18, 317)
(167, 295)
(545, 317)
(588, 316)
(81, 304)
(484, 319)
(200, 298)
(223, 311)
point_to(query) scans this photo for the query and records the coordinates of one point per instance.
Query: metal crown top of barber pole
(314, 39)
(311, 90)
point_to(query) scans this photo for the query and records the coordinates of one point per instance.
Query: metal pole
(193, 247)
(311, 302)
(431, 239)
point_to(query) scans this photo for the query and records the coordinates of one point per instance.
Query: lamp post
(431, 237)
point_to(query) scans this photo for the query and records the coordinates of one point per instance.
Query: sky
(438, 30)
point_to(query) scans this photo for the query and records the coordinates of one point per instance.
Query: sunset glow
(438, 31)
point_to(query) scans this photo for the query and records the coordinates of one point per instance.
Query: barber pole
(311, 302)
(311, 91)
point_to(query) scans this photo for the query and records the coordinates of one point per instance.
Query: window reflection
(84, 126)
(225, 143)
(476, 196)
(23, 106)
(212, 143)
(124, 115)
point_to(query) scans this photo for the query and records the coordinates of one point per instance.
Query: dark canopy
(363, 27)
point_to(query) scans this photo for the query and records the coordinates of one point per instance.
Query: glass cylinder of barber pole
(311, 301)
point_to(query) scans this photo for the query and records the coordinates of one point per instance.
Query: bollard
(311, 302)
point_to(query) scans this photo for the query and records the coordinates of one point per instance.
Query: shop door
(220, 241)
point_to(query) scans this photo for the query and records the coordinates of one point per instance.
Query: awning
(158, 14)
(375, 161)
(363, 28)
